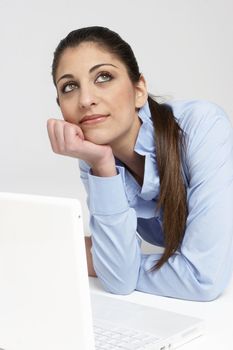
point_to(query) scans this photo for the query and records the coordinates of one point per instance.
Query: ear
(141, 94)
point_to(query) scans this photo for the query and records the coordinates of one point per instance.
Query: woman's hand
(90, 268)
(67, 139)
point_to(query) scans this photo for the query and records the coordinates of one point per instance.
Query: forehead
(84, 56)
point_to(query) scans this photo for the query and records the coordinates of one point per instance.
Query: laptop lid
(44, 293)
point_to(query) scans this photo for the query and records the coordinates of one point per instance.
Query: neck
(123, 148)
(136, 168)
(124, 151)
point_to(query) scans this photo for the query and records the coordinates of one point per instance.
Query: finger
(72, 132)
(51, 134)
(59, 136)
(73, 139)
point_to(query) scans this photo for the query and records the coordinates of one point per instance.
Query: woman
(158, 172)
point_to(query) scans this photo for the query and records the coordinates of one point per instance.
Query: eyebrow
(70, 76)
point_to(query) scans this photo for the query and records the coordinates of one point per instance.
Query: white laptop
(45, 302)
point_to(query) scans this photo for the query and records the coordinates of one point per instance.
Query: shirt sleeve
(115, 243)
(201, 269)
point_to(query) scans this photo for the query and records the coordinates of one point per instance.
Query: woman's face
(93, 82)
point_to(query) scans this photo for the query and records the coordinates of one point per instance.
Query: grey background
(184, 48)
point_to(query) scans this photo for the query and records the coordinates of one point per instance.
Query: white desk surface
(217, 314)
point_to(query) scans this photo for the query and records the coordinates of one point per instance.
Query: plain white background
(184, 48)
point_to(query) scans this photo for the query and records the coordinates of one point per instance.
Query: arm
(115, 264)
(68, 139)
(201, 268)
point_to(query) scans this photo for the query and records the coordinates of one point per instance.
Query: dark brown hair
(169, 138)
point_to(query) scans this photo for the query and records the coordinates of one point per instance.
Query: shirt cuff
(107, 194)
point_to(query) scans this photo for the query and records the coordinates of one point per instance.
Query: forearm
(116, 251)
(88, 244)
(105, 168)
(106, 172)
(179, 278)
(113, 224)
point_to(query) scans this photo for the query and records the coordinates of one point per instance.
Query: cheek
(68, 112)
(125, 98)
(126, 103)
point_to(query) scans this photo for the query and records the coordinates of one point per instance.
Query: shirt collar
(145, 145)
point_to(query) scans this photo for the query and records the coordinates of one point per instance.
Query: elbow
(208, 292)
(205, 283)
(120, 285)
(123, 290)
(208, 296)
(120, 281)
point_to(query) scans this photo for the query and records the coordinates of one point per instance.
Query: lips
(93, 117)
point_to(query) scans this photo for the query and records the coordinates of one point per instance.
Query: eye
(103, 77)
(69, 87)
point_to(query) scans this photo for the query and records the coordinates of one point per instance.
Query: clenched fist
(68, 139)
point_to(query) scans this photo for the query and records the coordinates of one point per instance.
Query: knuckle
(55, 150)
(50, 123)
(62, 149)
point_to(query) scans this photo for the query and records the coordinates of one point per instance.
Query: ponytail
(169, 139)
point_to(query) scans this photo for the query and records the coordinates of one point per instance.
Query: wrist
(104, 172)
(105, 168)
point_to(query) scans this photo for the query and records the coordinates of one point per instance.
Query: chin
(97, 139)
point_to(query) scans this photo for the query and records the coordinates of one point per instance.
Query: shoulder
(198, 117)
(195, 110)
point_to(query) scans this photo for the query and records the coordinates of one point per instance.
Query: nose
(87, 97)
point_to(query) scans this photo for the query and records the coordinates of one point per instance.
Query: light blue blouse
(122, 212)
